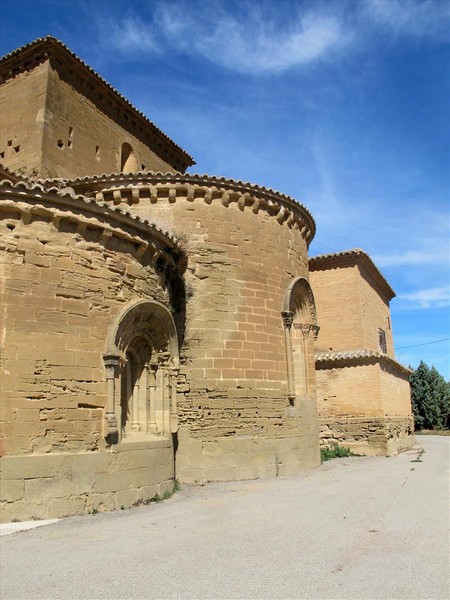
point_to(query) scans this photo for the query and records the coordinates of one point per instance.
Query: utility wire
(424, 344)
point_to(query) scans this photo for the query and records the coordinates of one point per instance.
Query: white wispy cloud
(413, 257)
(413, 18)
(253, 43)
(435, 297)
(266, 37)
(134, 33)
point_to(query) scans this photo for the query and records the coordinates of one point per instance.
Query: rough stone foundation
(62, 485)
(368, 436)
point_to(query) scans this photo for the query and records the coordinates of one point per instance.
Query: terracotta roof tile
(355, 356)
(38, 190)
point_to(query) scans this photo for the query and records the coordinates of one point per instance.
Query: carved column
(111, 429)
(151, 372)
(173, 400)
(164, 394)
(135, 424)
(287, 317)
(309, 334)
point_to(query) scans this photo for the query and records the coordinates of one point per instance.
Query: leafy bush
(335, 452)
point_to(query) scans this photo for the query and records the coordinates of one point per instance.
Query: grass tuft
(335, 452)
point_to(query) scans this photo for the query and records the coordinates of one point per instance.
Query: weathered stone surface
(132, 356)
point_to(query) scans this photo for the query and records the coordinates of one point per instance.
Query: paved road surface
(356, 528)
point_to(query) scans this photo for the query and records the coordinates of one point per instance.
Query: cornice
(27, 57)
(56, 204)
(347, 257)
(131, 188)
(333, 359)
(9, 175)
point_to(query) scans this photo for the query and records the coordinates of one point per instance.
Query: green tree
(440, 390)
(430, 396)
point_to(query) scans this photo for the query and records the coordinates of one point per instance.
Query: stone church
(160, 325)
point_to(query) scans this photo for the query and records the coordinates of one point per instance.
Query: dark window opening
(382, 340)
(128, 162)
(60, 144)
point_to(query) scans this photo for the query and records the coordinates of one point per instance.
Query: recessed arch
(141, 359)
(128, 161)
(300, 321)
(299, 297)
(148, 318)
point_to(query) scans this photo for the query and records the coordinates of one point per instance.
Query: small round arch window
(128, 162)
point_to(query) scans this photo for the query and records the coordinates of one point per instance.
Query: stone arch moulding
(299, 295)
(301, 329)
(141, 361)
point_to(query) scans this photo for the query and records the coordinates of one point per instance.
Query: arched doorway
(141, 361)
(301, 329)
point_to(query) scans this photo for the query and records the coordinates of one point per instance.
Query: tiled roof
(6, 173)
(99, 183)
(68, 196)
(326, 261)
(50, 41)
(356, 356)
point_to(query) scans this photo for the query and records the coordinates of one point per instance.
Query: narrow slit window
(382, 340)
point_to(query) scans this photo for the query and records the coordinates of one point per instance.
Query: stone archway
(301, 329)
(141, 360)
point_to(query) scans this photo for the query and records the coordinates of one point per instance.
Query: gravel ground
(355, 528)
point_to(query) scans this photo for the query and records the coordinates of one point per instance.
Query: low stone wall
(370, 436)
(234, 459)
(61, 485)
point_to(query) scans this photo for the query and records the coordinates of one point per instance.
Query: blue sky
(343, 105)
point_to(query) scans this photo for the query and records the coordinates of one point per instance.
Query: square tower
(61, 119)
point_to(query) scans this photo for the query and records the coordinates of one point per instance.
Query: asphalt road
(355, 528)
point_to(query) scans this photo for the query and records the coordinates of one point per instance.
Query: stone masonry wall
(50, 129)
(381, 436)
(81, 140)
(349, 391)
(22, 109)
(336, 292)
(376, 314)
(44, 486)
(61, 287)
(235, 410)
(395, 391)
(350, 309)
(365, 407)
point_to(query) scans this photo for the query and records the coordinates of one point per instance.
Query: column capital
(111, 360)
(287, 316)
